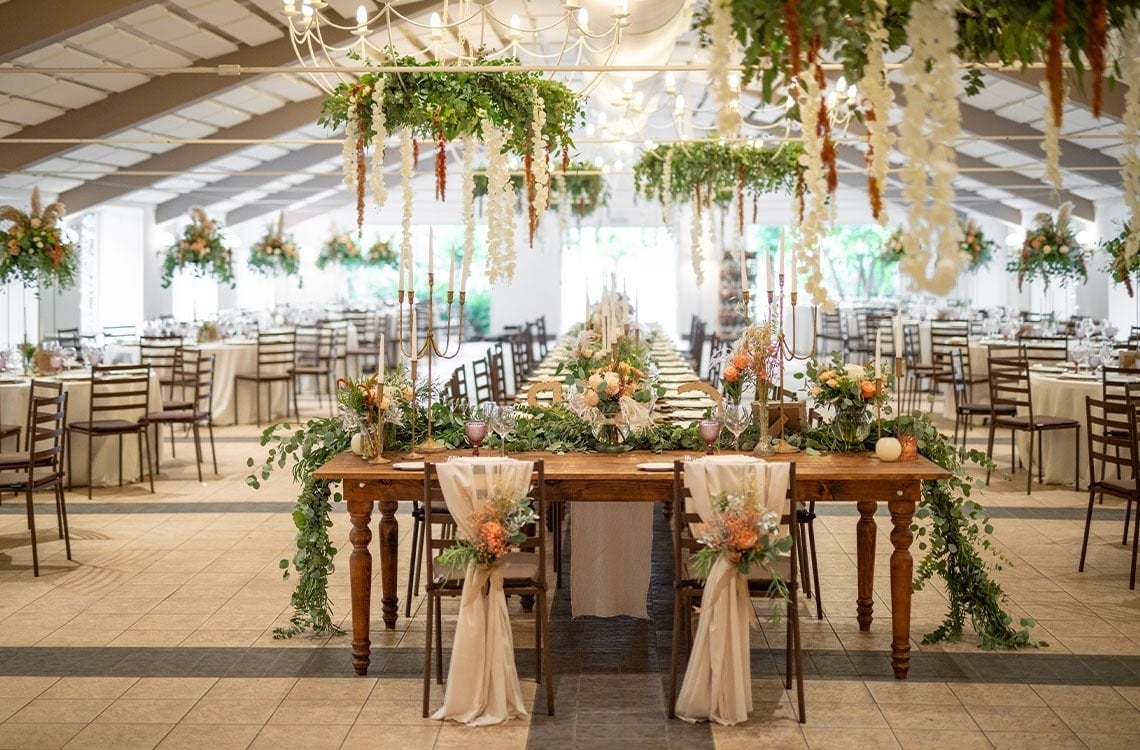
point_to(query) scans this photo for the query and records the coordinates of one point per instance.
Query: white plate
(408, 466)
(656, 466)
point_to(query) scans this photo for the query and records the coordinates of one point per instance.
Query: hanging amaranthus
(1054, 64)
(740, 201)
(1095, 44)
(877, 100)
(823, 121)
(795, 42)
(667, 213)
(380, 135)
(440, 165)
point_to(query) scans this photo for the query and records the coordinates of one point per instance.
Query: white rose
(855, 372)
(1047, 249)
(1064, 249)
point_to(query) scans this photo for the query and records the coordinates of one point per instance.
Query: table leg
(389, 547)
(360, 581)
(902, 573)
(865, 531)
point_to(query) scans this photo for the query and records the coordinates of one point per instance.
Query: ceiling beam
(284, 199)
(1112, 105)
(289, 117)
(33, 24)
(1074, 157)
(215, 192)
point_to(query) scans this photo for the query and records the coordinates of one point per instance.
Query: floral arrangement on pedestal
(893, 250)
(33, 248)
(339, 248)
(754, 359)
(366, 409)
(1050, 252)
(510, 112)
(1122, 267)
(850, 390)
(275, 253)
(382, 253)
(978, 249)
(200, 250)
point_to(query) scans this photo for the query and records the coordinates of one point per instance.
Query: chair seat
(107, 426)
(274, 376)
(177, 415)
(177, 405)
(16, 459)
(1039, 422)
(17, 481)
(979, 408)
(1115, 486)
(8, 430)
(756, 573)
(312, 369)
(521, 566)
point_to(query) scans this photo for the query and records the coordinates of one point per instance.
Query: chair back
(829, 333)
(119, 333)
(958, 377)
(164, 356)
(457, 385)
(1111, 438)
(120, 392)
(198, 373)
(47, 423)
(276, 352)
(1044, 348)
(912, 344)
(520, 357)
(40, 389)
(1115, 382)
(697, 345)
(947, 336)
(540, 337)
(68, 337)
(718, 355)
(498, 372)
(481, 379)
(1009, 385)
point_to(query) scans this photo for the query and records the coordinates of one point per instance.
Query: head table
(855, 478)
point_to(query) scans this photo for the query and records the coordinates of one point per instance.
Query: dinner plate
(408, 466)
(1078, 376)
(656, 466)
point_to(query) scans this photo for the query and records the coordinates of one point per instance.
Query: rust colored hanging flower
(1095, 43)
(531, 210)
(874, 189)
(415, 152)
(440, 166)
(1054, 70)
(795, 45)
(740, 201)
(823, 124)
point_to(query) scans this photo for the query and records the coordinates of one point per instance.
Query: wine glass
(69, 356)
(476, 431)
(736, 418)
(502, 422)
(710, 432)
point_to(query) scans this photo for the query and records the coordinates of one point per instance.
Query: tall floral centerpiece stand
(407, 334)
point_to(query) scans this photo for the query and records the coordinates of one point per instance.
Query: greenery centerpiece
(33, 249)
(275, 254)
(1050, 252)
(976, 246)
(580, 188)
(382, 254)
(365, 406)
(849, 390)
(893, 250)
(201, 251)
(1122, 268)
(339, 249)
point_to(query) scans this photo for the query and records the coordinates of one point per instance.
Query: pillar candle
(781, 253)
(792, 271)
(743, 266)
(431, 251)
(380, 361)
(878, 354)
(451, 271)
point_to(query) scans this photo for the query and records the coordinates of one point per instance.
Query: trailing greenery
(715, 171)
(953, 530)
(581, 186)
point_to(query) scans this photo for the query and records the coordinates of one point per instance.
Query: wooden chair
(457, 385)
(1009, 386)
(38, 389)
(276, 356)
(688, 588)
(525, 575)
(120, 401)
(498, 371)
(520, 357)
(948, 336)
(1112, 431)
(316, 356)
(68, 337)
(964, 409)
(829, 334)
(1047, 349)
(481, 379)
(197, 368)
(39, 467)
(164, 356)
(540, 337)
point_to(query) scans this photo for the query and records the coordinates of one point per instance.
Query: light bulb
(436, 26)
(597, 164)
(670, 83)
(679, 105)
(290, 7)
(617, 165)
(516, 27)
(584, 20)
(638, 100)
(627, 88)
(621, 8)
(841, 83)
(361, 15)
(306, 10)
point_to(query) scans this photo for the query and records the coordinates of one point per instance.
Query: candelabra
(429, 350)
(785, 350)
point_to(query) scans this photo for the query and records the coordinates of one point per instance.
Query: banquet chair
(1048, 349)
(1009, 386)
(276, 355)
(948, 336)
(119, 333)
(697, 345)
(1112, 431)
(457, 385)
(197, 368)
(37, 389)
(687, 587)
(164, 355)
(829, 333)
(920, 377)
(68, 337)
(120, 401)
(525, 575)
(964, 409)
(481, 379)
(497, 367)
(316, 356)
(39, 466)
(540, 337)
(520, 359)
(365, 352)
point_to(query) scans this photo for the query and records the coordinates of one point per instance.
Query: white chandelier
(461, 33)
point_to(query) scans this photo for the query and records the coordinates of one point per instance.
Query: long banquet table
(856, 478)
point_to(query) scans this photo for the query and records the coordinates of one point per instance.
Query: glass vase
(611, 432)
(372, 442)
(760, 417)
(850, 426)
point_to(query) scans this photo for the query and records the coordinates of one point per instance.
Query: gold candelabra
(429, 350)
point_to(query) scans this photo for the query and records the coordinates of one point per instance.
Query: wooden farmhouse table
(857, 478)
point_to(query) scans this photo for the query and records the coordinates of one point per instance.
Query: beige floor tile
(912, 693)
(77, 710)
(348, 688)
(212, 736)
(310, 711)
(744, 737)
(1028, 739)
(251, 687)
(411, 738)
(927, 739)
(146, 711)
(169, 688)
(927, 717)
(311, 737)
(835, 738)
(119, 736)
(837, 714)
(1093, 719)
(1004, 719)
(502, 737)
(16, 736)
(996, 695)
(24, 687)
(231, 711)
(89, 687)
(1081, 695)
(396, 712)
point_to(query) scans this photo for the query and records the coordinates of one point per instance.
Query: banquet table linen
(718, 680)
(1061, 396)
(482, 683)
(612, 542)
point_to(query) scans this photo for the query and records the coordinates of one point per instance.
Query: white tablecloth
(611, 542)
(1059, 397)
(105, 462)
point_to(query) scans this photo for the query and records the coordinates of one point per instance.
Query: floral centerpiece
(1050, 251)
(275, 253)
(200, 250)
(978, 249)
(496, 526)
(382, 253)
(580, 190)
(366, 408)
(33, 246)
(893, 250)
(1122, 268)
(339, 248)
(850, 390)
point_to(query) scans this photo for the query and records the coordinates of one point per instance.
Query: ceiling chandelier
(460, 33)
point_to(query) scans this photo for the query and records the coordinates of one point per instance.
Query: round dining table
(14, 394)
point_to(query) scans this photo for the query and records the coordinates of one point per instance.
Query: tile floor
(159, 634)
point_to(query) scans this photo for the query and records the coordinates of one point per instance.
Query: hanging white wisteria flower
(380, 135)
(500, 206)
(1130, 157)
(816, 208)
(728, 119)
(878, 97)
(538, 189)
(468, 203)
(930, 127)
(407, 165)
(1052, 141)
(348, 155)
(668, 213)
(696, 232)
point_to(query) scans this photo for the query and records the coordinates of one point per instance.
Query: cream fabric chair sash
(482, 683)
(718, 679)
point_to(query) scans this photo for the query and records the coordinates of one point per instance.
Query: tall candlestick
(743, 267)
(898, 335)
(380, 361)
(781, 252)
(431, 251)
(792, 271)
(451, 272)
(414, 337)
(878, 354)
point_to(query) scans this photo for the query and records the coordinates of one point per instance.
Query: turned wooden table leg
(865, 532)
(902, 573)
(360, 581)
(389, 547)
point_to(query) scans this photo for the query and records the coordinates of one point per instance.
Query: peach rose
(832, 383)
(731, 374)
(867, 389)
(590, 397)
(741, 361)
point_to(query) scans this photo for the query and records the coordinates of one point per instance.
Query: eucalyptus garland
(951, 528)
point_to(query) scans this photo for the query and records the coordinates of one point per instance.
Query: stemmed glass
(502, 421)
(736, 418)
(475, 428)
(710, 432)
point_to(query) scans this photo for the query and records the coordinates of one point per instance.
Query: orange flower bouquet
(744, 531)
(496, 527)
